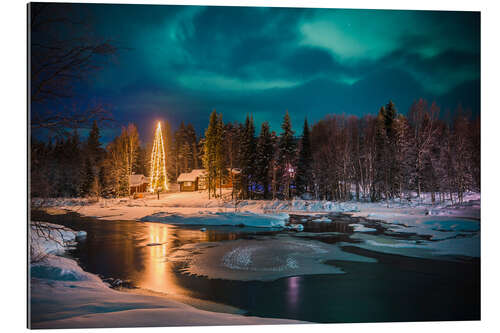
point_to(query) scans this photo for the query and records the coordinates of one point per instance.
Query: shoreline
(391, 216)
(197, 203)
(63, 295)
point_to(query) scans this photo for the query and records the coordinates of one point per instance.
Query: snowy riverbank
(189, 204)
(412, 228)
(62, 295)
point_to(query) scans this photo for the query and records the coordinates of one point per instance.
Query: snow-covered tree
(304, 178)
(287, 156)
(264, 158)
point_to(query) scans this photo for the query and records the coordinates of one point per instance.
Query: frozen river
(331, 272)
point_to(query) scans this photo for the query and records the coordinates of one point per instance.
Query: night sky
(181, 62)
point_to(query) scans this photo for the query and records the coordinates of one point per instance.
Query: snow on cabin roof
(191, 176)
(137, 180)
(186, 177)
(199, 173)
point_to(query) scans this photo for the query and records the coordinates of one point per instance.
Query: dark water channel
(396, 288)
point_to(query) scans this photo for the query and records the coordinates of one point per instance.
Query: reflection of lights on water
(293, 291)
(155, 270)
(157, 275)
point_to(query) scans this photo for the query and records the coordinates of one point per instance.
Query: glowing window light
(158, 167)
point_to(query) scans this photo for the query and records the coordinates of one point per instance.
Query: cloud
(184, 61)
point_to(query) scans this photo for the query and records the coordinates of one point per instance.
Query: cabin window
(188, 184)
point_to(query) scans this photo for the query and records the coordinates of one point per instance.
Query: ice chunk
(322, 219)
(222, 218)
(361, 228)
(265, 259)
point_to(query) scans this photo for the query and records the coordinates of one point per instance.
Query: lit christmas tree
(158, 168)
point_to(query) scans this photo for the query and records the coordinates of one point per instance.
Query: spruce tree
(304, 176)
(287, 153)
(87, 179)
(209, 151)
(93, 144)
(220, 157)
(142, 164)
(264, 157)
(247, 156)
(191, 141)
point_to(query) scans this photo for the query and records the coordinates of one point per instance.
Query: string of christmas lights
(158, 168)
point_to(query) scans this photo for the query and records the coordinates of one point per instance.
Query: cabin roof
(137, 180)
(191, 176)
(198, 173)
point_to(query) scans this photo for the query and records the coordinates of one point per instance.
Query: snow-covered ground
(189, 203)
(443, 228)
(62, 295)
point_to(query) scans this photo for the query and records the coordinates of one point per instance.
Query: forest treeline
(340, 157)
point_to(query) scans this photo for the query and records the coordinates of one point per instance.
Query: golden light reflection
(157, 271)
(158, 274)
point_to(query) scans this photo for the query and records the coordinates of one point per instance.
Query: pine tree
(209, 152)
(247, 155)
(93, 144)
(264, 157)
(142, 163)
(274, 165)
(191, 140)
(102, 178)
(87, 180)
(304, 178)
(170, 151)
(287, 156)
(220, 160)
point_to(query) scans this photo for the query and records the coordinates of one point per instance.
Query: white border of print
(13, 166)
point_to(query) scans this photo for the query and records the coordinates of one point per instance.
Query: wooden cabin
(138, 183)
(196, 180)
(192, 181)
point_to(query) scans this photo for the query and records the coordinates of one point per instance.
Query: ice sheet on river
(221, 218)
(424, 236)
(459, 245)
(262, 259)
